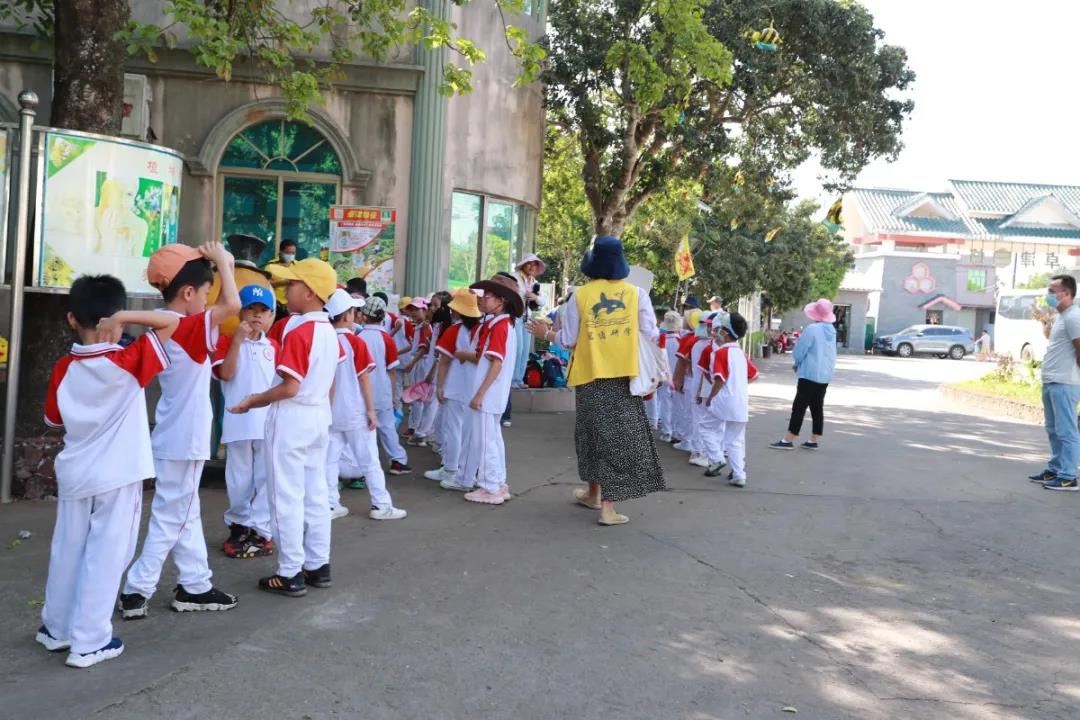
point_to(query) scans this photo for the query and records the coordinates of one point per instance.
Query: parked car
(940, 340)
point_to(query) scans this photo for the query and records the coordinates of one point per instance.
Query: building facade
(929, 257)
(463, 174)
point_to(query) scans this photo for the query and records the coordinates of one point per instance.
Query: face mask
(1051, 300)
(288, 257)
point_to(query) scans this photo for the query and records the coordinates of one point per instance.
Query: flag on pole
(684, 259)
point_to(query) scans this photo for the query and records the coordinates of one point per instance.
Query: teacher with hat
(602, 326)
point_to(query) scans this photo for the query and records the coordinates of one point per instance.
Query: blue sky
(996, 96)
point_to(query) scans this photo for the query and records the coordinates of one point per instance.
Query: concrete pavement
(907, 570)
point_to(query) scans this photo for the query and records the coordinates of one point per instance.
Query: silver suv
(941, 340)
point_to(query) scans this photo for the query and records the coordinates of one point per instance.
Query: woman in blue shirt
(815, 360)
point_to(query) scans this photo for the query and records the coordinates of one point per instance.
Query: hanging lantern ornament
(833, 220)
(768, 39)
(740, 181)
(771, 234)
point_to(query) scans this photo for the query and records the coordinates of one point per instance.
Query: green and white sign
(106, 205)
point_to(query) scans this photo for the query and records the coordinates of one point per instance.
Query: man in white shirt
(1061, 387)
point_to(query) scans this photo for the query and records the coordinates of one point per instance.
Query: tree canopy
(300, 47)
(676, 89)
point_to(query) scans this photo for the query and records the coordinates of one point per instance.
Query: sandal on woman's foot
(582, 496)
(612, 519)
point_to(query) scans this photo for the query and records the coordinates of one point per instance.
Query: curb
(996, 405)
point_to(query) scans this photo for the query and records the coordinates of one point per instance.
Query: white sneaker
(451, 485)
(737, 482)
(665, 437)
(506, 423)
(682, 446)
(114, 649)
(388, 513)
(339, 512)
(699, 460)
(439, 475)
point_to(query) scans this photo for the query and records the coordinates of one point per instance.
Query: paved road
(907, 570)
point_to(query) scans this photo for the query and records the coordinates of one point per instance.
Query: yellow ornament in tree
(768, 39)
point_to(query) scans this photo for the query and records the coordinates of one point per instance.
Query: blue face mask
(1051, 300)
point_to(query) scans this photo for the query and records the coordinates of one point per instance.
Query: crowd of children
(310, 400)
(705, 408)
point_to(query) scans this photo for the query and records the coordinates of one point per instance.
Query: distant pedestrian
(1061, 387)
(815, 361)
(982, 345)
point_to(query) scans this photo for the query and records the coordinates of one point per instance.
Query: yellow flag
(684, 260)
(771, 234)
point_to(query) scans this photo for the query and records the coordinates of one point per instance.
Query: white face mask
(288, 257)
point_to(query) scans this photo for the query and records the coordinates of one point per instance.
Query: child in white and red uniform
(669, 342)
(96, 395)
(384, 384)
(727, 408)
(244, 362)
(181, 437)
(354, 419)
(297, 431)
(454, 383)
(496, 348)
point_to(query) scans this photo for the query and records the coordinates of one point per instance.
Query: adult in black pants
(815, 360)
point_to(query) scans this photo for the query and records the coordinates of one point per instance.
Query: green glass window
(282, 145)
(464, 238)
(279, 179)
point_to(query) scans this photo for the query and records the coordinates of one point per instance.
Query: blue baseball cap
(256, 295)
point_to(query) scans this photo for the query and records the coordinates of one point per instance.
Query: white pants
(696, 413)
(388, 436)
(453, 423)
(348, 468)
(92, 543)
(712, 437)
(245, 480)
(485, 458)
(735, 447)
(652, 410)
(363, 446)
(664, 399)
(429, 411)
(175, 526)
(297, 436)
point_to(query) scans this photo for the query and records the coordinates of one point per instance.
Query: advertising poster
(362, 243)
(106, 206)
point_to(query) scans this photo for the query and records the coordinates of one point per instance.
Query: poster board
(106, 205)
(362, 244)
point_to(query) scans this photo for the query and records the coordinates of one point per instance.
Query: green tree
(674, 88)
(301, 47)
(565, 225)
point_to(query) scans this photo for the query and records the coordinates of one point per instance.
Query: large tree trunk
(88, 64)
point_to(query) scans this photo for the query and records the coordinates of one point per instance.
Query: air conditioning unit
(136, 113)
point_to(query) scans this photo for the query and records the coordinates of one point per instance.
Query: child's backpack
(553, 374)
(534, 375)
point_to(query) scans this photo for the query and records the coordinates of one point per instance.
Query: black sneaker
(1043, 477)
(715, 470)
(209, 601)
(318, 578)
(237, 535)
(397, 468)
(289, 587)
(809, 445)
(133, 606)
(782, 445)
(254, 545)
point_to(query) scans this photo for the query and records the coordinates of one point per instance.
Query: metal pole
(28, 100)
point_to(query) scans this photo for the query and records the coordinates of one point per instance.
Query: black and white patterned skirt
(615, 446)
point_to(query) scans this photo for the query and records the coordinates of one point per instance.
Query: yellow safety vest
(607, 341)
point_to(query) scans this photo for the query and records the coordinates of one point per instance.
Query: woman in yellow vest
(602, 325)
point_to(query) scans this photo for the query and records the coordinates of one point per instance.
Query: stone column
(425, 219)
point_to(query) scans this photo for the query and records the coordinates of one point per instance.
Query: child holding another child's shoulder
(96, 394)
(297, 431)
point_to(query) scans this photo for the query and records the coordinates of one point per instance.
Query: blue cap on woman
(605, 260)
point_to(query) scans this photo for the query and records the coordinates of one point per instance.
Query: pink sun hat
(421, 392)
(820, 311)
